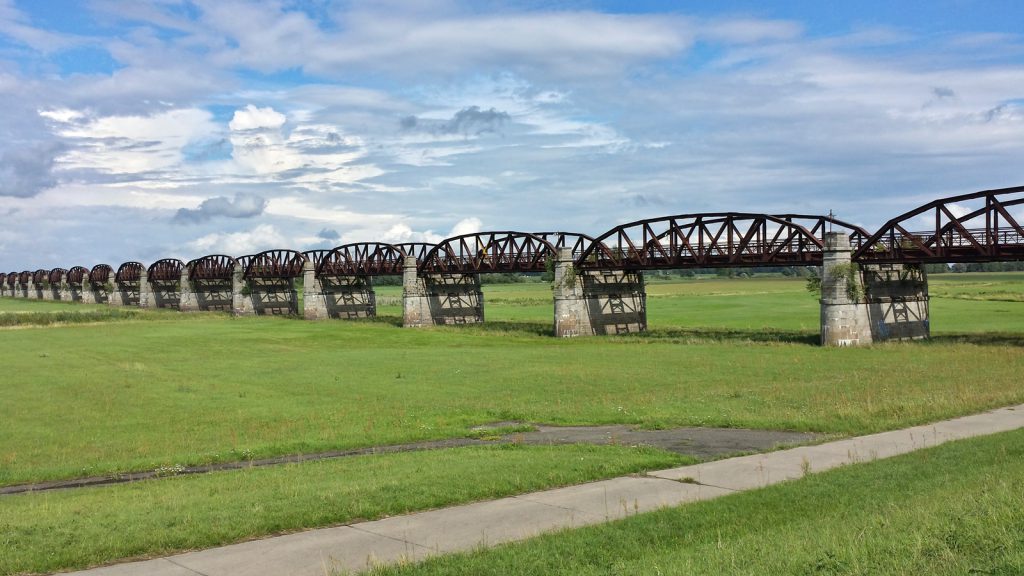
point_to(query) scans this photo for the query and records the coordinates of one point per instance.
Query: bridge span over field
(873, 284)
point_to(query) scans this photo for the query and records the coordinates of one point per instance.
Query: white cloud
(262, 237)
(253, 118)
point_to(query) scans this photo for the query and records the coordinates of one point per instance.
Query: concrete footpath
(417, 536)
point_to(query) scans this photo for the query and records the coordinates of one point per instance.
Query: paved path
(416, 536)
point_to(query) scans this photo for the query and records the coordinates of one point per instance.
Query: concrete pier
(844, 313)
(344, 297)
(599, 302)
(897, 299)
(437, 299)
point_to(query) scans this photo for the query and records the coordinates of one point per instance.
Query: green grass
(953, 509)
(157, 389)
(76, 528)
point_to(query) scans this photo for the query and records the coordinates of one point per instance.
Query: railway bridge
(874, 286)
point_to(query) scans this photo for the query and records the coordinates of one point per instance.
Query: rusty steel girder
(578, 242)
(211, 267)
(40, 276)
(362, 259)
(56, 275)
(3, 278)
(77, 274)
(129, 272)
(819, 225)
(274, 264)
(12, 279)
(713, 240)
(415, 249)
(489, 252)
(165, 270)
(976, 227)
(315, 257)
(100, 274)
(24, 278)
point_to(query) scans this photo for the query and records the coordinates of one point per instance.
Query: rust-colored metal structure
(484, 252)
(211, 267)
(56, 275)
(315, 257)
(274, 264)
(100, 274)
(41, 277)
(164, 271)
(416, 249)
(24, 278)
(578, 242)
(362, 259)
(976, 227)
(77, 274)
(129, 272)
(713, 240)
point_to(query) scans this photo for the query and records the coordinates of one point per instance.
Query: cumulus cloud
(244, 205)
(253, 118)
(262, 237)
(328, 234)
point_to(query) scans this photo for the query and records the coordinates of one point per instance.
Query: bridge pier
(437, 299)
(145, 290)
(597, 302)
(345, 297)
(844, 313)
(62, 291)
(897, 300)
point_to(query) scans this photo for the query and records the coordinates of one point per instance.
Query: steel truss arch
(100, 274)
(12, 279)
(57, 275)
(578, 242)
(985, 233)
(711, 240)
(485, 252)
(416, 249)
(129, 272)
(40, 276)
(362, 259)
(165, 270)
(275, 264)
(76, 274)
(211, 267)
(24, 278)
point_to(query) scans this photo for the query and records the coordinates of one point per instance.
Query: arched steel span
(275, 264)
(713, 240)
(976, 227)
(100, 274)
(12, 279)
(417, 249)
(3, 278)
(362, 259)
(129, 272)
(211, 267)
(315, 257)
(166, 270)
(578, 242)
(77, 274)
(40, 276)
(56, 275)
(489, 252)
(819, 225)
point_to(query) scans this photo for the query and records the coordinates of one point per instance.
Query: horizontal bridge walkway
(416, 536)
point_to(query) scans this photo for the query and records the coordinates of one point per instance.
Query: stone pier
(597, 302)
(436, 299)
(146, 296)
(877, 303)
(844, 314)
(897, 300)
(344, 297)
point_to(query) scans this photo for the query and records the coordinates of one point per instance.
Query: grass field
(954, 509)
(114, 391)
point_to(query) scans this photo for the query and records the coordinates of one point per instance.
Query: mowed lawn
(163, 390)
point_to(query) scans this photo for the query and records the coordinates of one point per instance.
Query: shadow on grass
(683, 335)
(980, 339)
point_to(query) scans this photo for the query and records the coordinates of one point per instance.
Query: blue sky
(140, 130)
